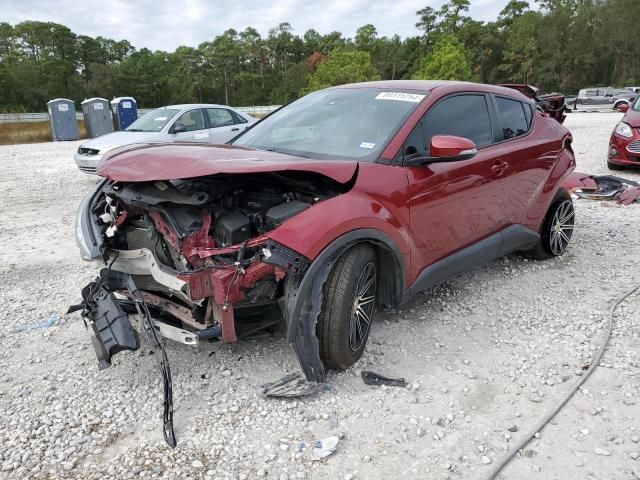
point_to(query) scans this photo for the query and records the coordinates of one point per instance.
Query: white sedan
(202, 123)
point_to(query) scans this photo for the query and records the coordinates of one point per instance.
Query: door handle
(235, 129)
(499, 167)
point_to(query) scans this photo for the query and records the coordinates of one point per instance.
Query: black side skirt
(509, 240)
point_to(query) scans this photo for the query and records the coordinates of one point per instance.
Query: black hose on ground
(554, 411)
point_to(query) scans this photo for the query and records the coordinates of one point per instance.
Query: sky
(167, 24)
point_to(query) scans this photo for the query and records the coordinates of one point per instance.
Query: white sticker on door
(98, 106)
(126, 104)
(63, 107)
(400, 96)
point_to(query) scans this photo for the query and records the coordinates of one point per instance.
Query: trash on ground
(53, 319)
(372, 378)
(629, 196)
(325, 447)
(603, 187)
(292, 385)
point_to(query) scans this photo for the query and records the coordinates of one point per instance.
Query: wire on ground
(554, 411)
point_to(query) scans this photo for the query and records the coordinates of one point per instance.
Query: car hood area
(632, 118)
(152, 162)
(113, 140)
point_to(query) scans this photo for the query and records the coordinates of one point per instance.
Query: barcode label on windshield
(400, 97)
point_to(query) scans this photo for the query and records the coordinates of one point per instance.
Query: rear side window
(528, 113)
(220, 117)
(237, 118)
(513, 121)
(462, 115)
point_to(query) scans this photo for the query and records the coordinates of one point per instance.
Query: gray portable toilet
(62, 116)
(97, 117)
(125, 112)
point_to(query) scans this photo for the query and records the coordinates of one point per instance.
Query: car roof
(430, 85)
(182, 106)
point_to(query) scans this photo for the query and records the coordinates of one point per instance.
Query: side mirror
(445, 148)
(623, 107)
(178, 127)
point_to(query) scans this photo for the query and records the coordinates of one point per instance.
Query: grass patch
(30, 132)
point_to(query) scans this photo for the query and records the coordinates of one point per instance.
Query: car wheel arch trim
(302, 307)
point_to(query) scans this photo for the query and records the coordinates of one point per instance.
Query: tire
(556, 230)
(613, 166)
(354, 275)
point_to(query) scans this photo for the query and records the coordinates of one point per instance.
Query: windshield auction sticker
(400, 97)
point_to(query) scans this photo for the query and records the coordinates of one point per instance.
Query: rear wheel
(556, 230)
(348, 307)
(613, 166)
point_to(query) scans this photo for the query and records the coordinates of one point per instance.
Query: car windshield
(336, 124)
(153, 121)
(636, 105)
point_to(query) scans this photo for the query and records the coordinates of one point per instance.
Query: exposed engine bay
(198, 249)
(187, 258)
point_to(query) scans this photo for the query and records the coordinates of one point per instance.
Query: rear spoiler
(552, 104)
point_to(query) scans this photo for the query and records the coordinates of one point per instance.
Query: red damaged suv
(624, 145)
(347, 200)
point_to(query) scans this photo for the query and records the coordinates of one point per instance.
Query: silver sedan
(202, 123)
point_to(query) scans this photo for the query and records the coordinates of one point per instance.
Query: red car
(349, 199)
(624, 145)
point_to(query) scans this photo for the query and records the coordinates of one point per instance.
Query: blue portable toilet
(62, 117)
(125, 112)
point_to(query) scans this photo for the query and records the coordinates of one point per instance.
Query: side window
(192, 120)
(237, 118)
(591, 93)
(513, 121)
(461, 115)
(220, 117)
(528, 113)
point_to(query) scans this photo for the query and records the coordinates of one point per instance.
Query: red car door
(455, 204)
(529, 154)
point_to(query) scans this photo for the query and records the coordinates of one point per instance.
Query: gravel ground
(486, 354)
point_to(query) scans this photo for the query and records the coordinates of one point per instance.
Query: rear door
(224, 124)
(590, 98)
(456, 204)
(529, 157)
(195, 127)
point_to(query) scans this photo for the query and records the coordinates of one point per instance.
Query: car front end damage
(198, 252)
(193, 260)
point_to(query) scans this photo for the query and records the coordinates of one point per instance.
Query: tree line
(562, 45)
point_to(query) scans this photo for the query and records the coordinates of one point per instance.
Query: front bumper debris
(113, 333)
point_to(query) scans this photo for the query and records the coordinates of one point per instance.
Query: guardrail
(261, 110)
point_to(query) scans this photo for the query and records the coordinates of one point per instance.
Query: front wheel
(348, 307)
(557, 229)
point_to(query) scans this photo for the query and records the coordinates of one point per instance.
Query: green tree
(343, 67)
(427, 22)
(366, 38)
(520, 56)
(447, 62)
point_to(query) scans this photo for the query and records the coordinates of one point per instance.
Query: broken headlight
(87, 238)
